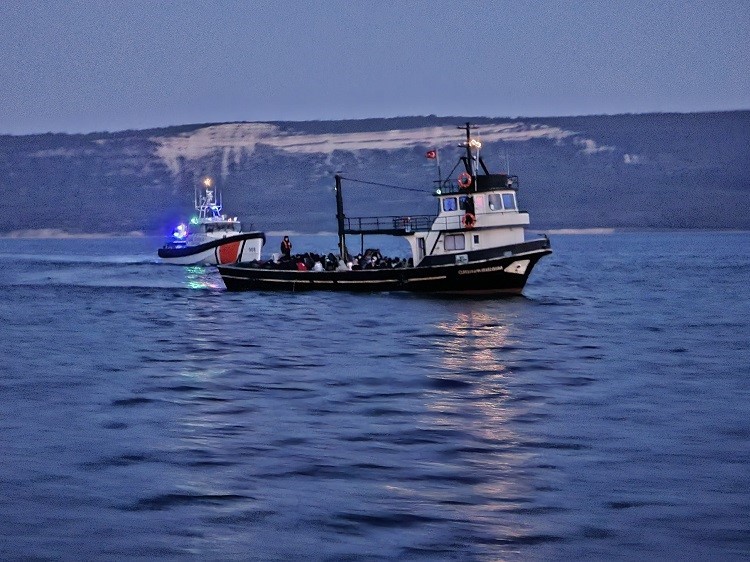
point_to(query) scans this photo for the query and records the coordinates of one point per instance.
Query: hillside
(635, 171)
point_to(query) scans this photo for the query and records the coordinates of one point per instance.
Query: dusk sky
(83, 66)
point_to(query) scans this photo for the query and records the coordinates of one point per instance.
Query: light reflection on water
(471, 351)
(202, 277)
(472, 399)
(475, 342)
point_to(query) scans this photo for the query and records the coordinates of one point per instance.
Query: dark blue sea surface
(146, 412)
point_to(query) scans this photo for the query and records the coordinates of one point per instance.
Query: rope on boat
(451, 172)
(385, 185)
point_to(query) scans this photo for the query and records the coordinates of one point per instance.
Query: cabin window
(449, 204)
(479, 203)
(476, 239)
(454, 242)
(509, 201)
(466, 203)
(495, 202)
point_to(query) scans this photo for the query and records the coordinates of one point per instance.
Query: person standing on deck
(286, 248)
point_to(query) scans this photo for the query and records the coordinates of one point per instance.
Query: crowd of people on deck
(370, 259)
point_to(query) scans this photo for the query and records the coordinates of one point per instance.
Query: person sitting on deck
(342, 266)
(309, 261)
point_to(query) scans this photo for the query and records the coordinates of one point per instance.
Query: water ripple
(147, 413)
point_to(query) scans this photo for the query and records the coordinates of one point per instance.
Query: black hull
(502, 274)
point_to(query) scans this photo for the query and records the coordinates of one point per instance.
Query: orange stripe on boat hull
(228, 253)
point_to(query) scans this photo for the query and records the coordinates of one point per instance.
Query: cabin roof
(480, 184)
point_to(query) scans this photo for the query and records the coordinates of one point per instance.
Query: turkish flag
(431, 154)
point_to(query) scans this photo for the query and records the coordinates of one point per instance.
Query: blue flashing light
(181, 232)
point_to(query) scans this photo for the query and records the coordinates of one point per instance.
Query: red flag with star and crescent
(431, 154)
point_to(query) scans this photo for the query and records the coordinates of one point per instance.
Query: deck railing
(387, 225)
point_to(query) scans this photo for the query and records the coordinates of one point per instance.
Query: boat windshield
(221, 227)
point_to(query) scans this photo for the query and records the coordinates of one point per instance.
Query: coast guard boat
(211, 238)
(476, 245)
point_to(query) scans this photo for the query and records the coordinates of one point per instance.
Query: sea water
(605, 414)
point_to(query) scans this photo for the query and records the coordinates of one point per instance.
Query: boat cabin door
(421, 249)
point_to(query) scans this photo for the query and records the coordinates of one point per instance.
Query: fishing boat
(475, 245)
(211, 237)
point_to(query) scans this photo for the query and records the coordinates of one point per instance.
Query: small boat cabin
(482, 215)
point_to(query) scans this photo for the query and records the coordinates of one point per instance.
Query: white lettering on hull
(480, 270)
(519, 267)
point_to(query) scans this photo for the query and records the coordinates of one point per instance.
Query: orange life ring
(469, 221)
(464, 180)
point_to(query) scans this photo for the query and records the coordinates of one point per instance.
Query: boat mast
(469, 159)
(340, 218)
(468, 148)
(207, 199)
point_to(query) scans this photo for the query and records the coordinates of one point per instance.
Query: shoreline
(59, 234)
